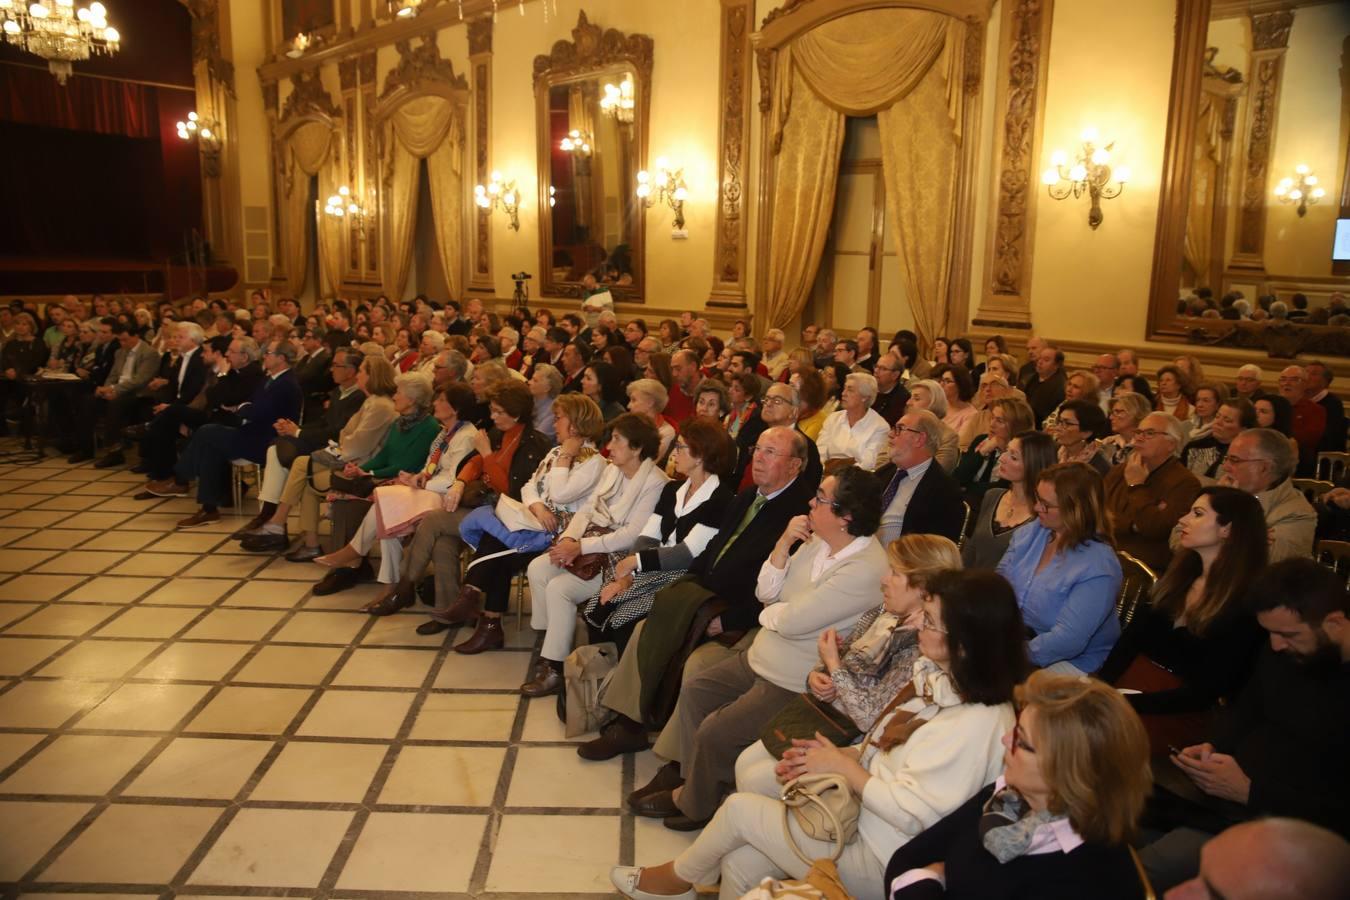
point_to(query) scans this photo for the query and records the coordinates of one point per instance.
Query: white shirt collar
(683, 501)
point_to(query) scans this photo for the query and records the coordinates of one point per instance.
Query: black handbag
(361, 486)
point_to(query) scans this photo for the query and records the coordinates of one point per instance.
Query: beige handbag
(586, 673)
(825, 809)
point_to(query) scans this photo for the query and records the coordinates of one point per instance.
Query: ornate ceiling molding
(1270, 31)
(421, 64)
(206, 41)
(480, 36)
(593, 48)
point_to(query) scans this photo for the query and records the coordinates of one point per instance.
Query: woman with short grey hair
(855, 434)
(417, 387)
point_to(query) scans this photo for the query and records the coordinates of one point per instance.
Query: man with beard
(1282, 746)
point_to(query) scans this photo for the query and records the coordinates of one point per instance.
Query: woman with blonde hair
(798, 361)
(1057, 823)
(1065, 572)
(648, 398)
(977, 470)
(1127, 411)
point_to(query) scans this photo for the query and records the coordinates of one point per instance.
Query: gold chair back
(1313, 488)
(1331, 465)
(1134, 588)
(1335, 555)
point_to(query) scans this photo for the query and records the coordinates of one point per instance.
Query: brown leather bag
(1164, 729)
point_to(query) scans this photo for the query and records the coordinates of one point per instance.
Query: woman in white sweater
(831, 580)
(609, 523)
(856, 434)
(938, 744)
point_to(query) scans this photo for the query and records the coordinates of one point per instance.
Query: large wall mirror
(1255, 179)
(592, 96)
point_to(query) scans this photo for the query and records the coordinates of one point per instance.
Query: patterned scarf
(411, 420)
(1008, 825)
(438, 446)
(924, 696)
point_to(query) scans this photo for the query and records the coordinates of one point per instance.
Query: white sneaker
(625, 880)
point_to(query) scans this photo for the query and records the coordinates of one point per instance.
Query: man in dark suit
(1045, 389)
(208, 455)
(339, 332)
(114, 404)
(726, 571)
(918, 497)
(891, 393)
(313, 368)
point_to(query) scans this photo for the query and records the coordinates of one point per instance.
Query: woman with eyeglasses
(686, 518)
(935, 744)
(1056, 825)
(1003, 510)
(1079, 426)
(1193, 643)
(1127, 411)
(978, 469)
(1064, 570)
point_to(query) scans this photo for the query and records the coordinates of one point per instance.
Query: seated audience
(1319, 391)
(600, 533)
(1127, 411)
(856, 434)
(779, 407)
(1045, 389)
(826, 583)
(294, 440)
(1065, 572)
(1309, 418)
(686, 519)
(1149, 492)
(959, 390)
(1005, 509)
(1057, 823)
(978, 469)
(1261, 462)
(892, 395)
(1204, 454)
(118, 403)
(1270, 859)
(212, 447)
(917, 496)
(743, 395)
(1175, 393)
(545, 385)
(927, 394)
(1080, 425)
(400, 502)
(815, 403)
(506, 457)
(1078, 386)
(935, 745)
(1194, 642)
(994, 385)
(307, 477)
(1248, 384)
(647, 398)
(725, 572)
(1209, 395)
(600, 383)
(1280, 748)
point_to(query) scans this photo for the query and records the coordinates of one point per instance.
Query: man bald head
(1270, 859)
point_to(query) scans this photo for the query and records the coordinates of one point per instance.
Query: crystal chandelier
(59, 33)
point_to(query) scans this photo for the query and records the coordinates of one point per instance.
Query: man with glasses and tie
(724, 574)
(917, 496)
(1147, 494)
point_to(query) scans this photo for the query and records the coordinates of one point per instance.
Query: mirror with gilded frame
(592, 97)
(1260, 91)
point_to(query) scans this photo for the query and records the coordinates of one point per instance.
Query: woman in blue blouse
(1065, 572)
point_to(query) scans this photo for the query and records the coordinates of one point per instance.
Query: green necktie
(750, 514)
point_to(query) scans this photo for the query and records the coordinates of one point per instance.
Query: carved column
(1270, 40)
(1024, 51)
(480, 62)
(275, 179)
(729, 251)
(370, 171)
(351, 237)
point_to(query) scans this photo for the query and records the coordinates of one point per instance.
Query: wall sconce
(406, 9)
(576, 142)
(552, 196)
(299, 44)
(343, 205)
(1090, 174)
(664, 185)
(206, 132)
(1301, 189)
(618, 100)
(500, 194)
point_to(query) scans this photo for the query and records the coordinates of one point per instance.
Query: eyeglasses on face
(1149, 433)
(1232, 460)
(1042, 503)
(899, 429)
(930, 625)
(1067, 423)
(1019, 741)
(821, 500)
(680, 445)
(772, 400)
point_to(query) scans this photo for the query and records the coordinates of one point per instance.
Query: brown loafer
(549, 682)
(667, 778)
(199, 518)
(656, 805)
(487, 635)
(620, 737)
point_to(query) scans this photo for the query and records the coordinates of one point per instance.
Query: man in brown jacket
(1150, 491)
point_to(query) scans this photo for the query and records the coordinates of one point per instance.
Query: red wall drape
(34, 97)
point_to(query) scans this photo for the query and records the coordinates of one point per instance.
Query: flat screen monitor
(1340, 248)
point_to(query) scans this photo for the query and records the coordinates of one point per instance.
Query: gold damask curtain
(870, 62)
(428, 127)
(309, 152)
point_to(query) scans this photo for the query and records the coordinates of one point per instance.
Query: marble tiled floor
(180, 718)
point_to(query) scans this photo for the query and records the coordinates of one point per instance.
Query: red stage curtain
(33, 97)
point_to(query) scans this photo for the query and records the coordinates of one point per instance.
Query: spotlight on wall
(1090, 174)
(665, 185)
(500, 194)
(1301, 189)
